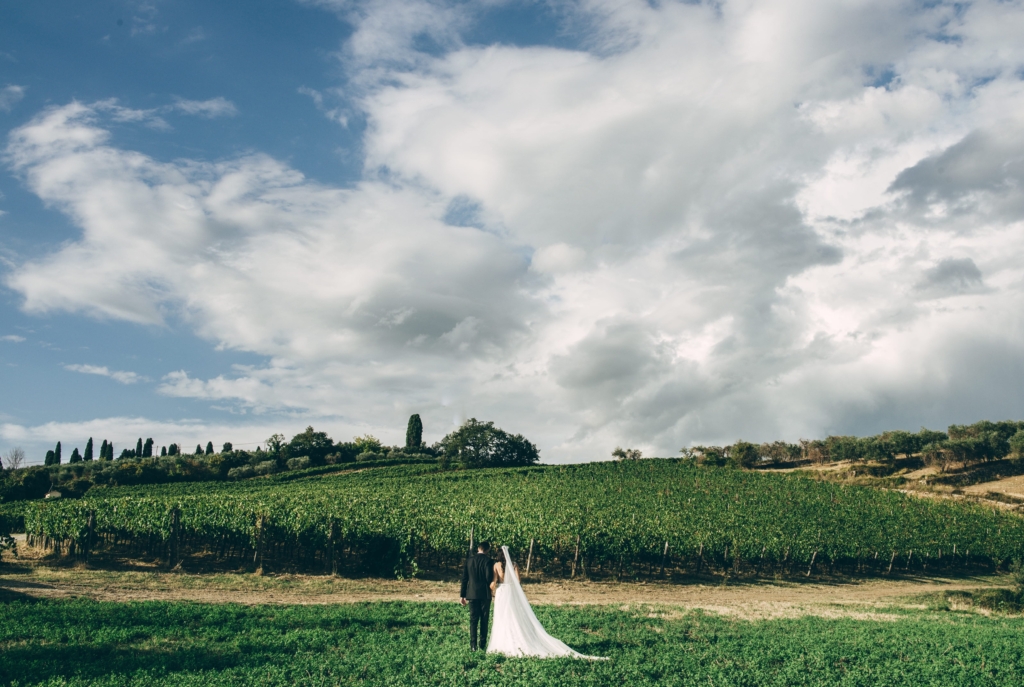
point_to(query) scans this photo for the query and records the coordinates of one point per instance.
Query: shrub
(299, 463)
(241, 472)
(266, 467)
(369, 455)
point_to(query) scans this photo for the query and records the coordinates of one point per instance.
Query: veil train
(516, 630)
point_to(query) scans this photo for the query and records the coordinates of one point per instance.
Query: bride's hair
(501, 555)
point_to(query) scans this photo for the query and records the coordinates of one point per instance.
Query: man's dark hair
(484, 546)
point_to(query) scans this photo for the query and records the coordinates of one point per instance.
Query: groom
(476, 591)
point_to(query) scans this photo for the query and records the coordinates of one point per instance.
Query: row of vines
(595, 518)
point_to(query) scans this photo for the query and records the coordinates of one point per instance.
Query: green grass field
(89, 643)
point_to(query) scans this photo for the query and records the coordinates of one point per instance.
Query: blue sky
(598, 224)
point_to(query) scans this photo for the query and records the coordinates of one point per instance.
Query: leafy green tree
(76, 457)
(50, 459)
(706, 455)
(627, 453)
(56, 454)
(368, 444)
(87, 456)
(147, 448)
(209, 448)
(743, 454)
(779, 451)
(480, 444)
(275, 443)
(930, 436)
(844, 448)
(414, 432)
(227, 447)
(311, 443)
(878, 448)
(902, 443)
(1017, 444)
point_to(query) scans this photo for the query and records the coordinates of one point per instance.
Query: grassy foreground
(90, 643)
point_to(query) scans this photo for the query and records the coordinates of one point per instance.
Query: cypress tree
(414, 432)
(199, 449)
(209, 448)
(163, 450)
(75, 456)
(138, 448)
(103, 450)
(49, 460)
(56, 454)
(147, 448)
(88, 450)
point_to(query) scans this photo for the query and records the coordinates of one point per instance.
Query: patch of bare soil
(1011, 486)
(33, 576)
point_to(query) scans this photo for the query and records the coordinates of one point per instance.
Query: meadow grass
(80, 642)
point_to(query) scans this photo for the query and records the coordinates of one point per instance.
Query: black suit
(476, 589)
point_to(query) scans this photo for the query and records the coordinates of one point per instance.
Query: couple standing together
(516, 630)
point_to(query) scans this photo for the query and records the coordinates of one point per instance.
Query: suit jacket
(477, 576)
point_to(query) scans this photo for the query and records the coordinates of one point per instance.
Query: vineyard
(649, 517)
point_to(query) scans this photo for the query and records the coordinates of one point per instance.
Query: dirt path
(763, 599)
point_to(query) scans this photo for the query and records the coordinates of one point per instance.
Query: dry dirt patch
(866, 599)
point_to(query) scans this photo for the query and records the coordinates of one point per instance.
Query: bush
(300, 463)
(369, 455)
(266, 467)
(1003, 600)
(241, 472)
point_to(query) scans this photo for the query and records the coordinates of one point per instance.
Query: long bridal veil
(516, 630)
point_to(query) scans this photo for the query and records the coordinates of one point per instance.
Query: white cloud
(117, 375)
(335, 114)
(13, 338)
(214, 107)
(716, 222)
(10, 96)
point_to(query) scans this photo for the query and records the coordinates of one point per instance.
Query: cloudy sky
(596, 223)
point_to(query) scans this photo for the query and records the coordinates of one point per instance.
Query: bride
(516, 630)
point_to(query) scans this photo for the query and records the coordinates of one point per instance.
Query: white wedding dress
(515, 630)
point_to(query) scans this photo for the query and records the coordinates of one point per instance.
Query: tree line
(475, 444)
(965, 445)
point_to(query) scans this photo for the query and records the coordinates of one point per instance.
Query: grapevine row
(605, 516)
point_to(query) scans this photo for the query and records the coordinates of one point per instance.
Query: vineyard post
(761, 559)
(575, 557)
(811, 566)
(90, 533)
(471, 549)
(257, 556)
(529, 557)
(700, 558)
(890, 563)
(664, 555)
(331, 566)
(173, 544)
(907, 566)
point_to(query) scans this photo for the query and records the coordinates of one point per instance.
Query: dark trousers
(479, 616)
